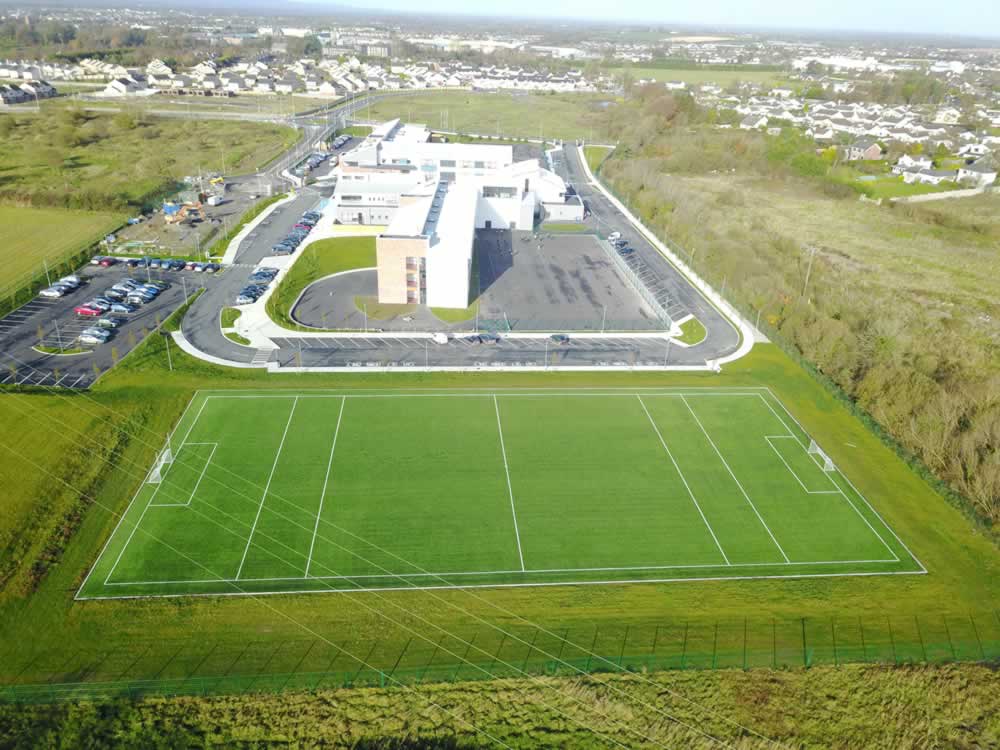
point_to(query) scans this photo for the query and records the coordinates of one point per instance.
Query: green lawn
(237, 338)
(595, 156)
(692, 332)
(34, 236)
(545, 116)
(358, 131)
(229, 316)
(564, 226)
(319, 259)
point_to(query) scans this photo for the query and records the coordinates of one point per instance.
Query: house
(947, 116)
(969, 150)
(912, 163)
(864, 149)
(979, 174)
(929, 176)
(753, 122)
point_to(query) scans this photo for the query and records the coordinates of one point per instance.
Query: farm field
(543, 116)
(40, 235)
(313, 491)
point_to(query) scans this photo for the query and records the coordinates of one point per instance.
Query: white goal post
(163, 461)
(826, 463)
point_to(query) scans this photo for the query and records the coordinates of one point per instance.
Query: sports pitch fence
(206, 668)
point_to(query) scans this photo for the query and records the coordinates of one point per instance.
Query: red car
(108, 262)
(87, 311)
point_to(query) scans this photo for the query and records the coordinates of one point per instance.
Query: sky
(978, 18)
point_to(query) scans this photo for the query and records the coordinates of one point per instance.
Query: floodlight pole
(604, 317)
(666, 354)
(166, 343)
(364, 306)
(47, 279)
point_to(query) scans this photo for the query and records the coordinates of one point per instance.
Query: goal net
(163, 461)
(824, 460)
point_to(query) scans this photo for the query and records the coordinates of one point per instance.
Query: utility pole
(604, 317)
(47, 279)
(809, 268)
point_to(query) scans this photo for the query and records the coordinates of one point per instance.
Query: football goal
(823, 459)
(163, 462)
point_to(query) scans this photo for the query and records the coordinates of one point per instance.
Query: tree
(313, 47)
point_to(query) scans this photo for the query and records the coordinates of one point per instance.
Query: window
(479, 165)
(447, 163)
(496, 191)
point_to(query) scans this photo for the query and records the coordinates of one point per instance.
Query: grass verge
(595, 156)
(229, 316)
(236, 338)
(692, 332)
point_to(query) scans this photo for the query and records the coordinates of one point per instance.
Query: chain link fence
(202, 667)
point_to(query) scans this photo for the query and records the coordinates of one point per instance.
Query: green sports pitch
(311, 491)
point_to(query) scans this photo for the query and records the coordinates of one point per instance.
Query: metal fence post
(975, 630)
(621, 653)
(892, 640)
(684, 648)
(864, 648)
(805, 651)
(947, 631)
(920, 635)
(833, 634)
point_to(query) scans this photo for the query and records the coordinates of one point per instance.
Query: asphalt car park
(29, 333)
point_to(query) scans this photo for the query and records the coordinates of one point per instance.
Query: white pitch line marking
(683, 479)
(510, 489)
(267, 487)
(738, 484)
(326, 481)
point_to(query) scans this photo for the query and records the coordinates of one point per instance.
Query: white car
(440, 338)
(72, 280)
(89, 338)
(52, 291)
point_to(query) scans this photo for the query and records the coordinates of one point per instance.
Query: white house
(979, 174)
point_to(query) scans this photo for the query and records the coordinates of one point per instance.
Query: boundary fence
(200, 667)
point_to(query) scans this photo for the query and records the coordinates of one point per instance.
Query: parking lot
(51, 324)
(554, 282)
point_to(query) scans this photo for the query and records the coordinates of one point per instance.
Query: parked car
(122, 307)
(189, 266)
(97, 331)
(559, 339)
(107, 262)
(199, 267)
(116, 295)
(212, 267)
(89, 338)
(110, 321)
(52, 292)
(158, 284)
(96, 260)
(87, 311)
(72, 280)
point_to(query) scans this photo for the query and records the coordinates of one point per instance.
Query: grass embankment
(56, 350)
(219, 247)
(33, 237)
(850, 707)
(692, 332)
(595, 156)
(565, 116)
(319, 259)
(229, 316)
(70, 158)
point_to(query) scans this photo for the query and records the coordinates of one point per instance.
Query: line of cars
(163, 264)
(311, 163)
(123, 298)
(620, 244)
(259, 281)
(299, 232)
(61, 288)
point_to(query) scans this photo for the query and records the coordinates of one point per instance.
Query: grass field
(69, 158)
(700, 76)
(566, 116)
(307, 491)
(34, 236)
